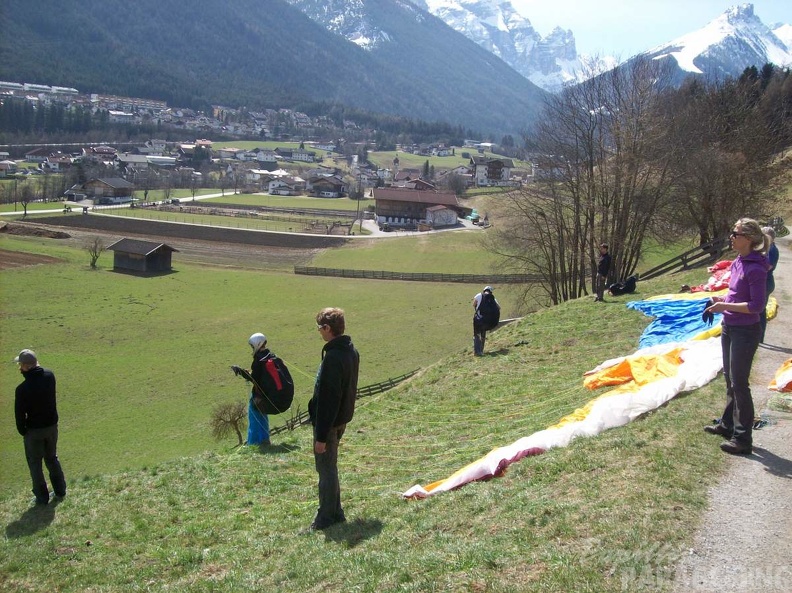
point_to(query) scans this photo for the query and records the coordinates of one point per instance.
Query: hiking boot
(736, 447)
(718, 429)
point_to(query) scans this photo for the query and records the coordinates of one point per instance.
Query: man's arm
(19, 412)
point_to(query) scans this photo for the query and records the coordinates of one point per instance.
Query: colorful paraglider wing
(783, 378)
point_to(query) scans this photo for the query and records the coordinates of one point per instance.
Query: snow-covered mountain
(550, 62)
(734, 41)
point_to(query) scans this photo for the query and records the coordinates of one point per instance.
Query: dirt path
(745, 542)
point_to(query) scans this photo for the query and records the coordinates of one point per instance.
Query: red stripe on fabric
(273, 371)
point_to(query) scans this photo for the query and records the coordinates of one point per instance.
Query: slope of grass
(141, 362)
(608, 513)
(452, 252)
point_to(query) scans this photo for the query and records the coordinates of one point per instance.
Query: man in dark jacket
(603, 268)
(330, 408)
(37, 421)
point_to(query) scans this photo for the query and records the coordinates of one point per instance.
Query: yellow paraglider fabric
(783, 378)
(698, 363)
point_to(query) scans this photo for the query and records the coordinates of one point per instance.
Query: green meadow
(146, 359)
(154, 504)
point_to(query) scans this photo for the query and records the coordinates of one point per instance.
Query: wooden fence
(418, 276)
(300, 418)
(707, 253)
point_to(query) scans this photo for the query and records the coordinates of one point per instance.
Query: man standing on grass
(486, 315)
(603, 268)
(37, 421)
(330, 408)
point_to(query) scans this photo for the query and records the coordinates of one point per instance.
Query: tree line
(627, 156)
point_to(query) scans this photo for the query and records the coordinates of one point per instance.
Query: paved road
(745, 541)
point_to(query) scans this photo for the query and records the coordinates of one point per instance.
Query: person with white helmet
(258, 421)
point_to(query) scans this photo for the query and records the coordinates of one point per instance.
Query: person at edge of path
(331, 408)
(603, 268)
(35, 408)
(772, 256)
(258, 421)
(740, 333)
(479, 329)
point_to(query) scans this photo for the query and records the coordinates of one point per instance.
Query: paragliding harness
(276, 394)
(488, 313)
(623, 287)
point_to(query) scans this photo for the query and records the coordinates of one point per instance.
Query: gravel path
(745, 540)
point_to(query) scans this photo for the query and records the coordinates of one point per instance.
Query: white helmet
(257, 341)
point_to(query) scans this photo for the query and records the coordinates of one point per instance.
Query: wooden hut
(141, 257)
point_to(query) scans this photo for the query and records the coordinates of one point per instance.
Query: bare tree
(95, 249)
(725, 139)
(601, 177)
(25, 197)
(228, 417)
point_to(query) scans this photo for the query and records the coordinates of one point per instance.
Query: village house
(132, 163)
(326, 186)
(57, 162)
(108, 190)
(419, 184)
(37, 155)
(286, 186)
(7, 168)
(491, 171)
(297, 154)
(399, 207)
(229, 152)
(153, 147)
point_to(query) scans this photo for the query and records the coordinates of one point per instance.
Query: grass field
(153, 196)
(295, 223)
(155, 505)
(295, 202)
(122, 345)
(455, 252)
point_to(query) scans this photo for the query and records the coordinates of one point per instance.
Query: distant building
(407, 207)
(141, 257)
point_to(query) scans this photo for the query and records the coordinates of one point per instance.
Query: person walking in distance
(772, 256)
(330, 409)
(603, 268)
(740, 333)
(486, 315)
(35, 409)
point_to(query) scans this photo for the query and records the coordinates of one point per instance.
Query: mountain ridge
(237, 54)
(724, 47)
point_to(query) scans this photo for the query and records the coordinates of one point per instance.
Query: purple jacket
(747, 284)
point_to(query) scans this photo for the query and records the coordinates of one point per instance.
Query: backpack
(277, 385)
(488, 312)
(623, 287)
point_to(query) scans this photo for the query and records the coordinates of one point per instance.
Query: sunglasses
(734, 234)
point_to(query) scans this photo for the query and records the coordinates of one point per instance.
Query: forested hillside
(261, 54)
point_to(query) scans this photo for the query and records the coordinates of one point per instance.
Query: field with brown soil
(15, 259)
(217, 253)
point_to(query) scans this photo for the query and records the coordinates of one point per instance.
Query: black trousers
(739, 344)
(330, 510)
(41, 444)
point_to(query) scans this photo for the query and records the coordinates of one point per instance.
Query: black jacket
(34, 403)
(333, 401)
(603, 265)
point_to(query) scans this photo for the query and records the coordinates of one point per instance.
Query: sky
(623, 28)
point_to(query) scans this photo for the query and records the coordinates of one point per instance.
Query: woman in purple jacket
(740, 332)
